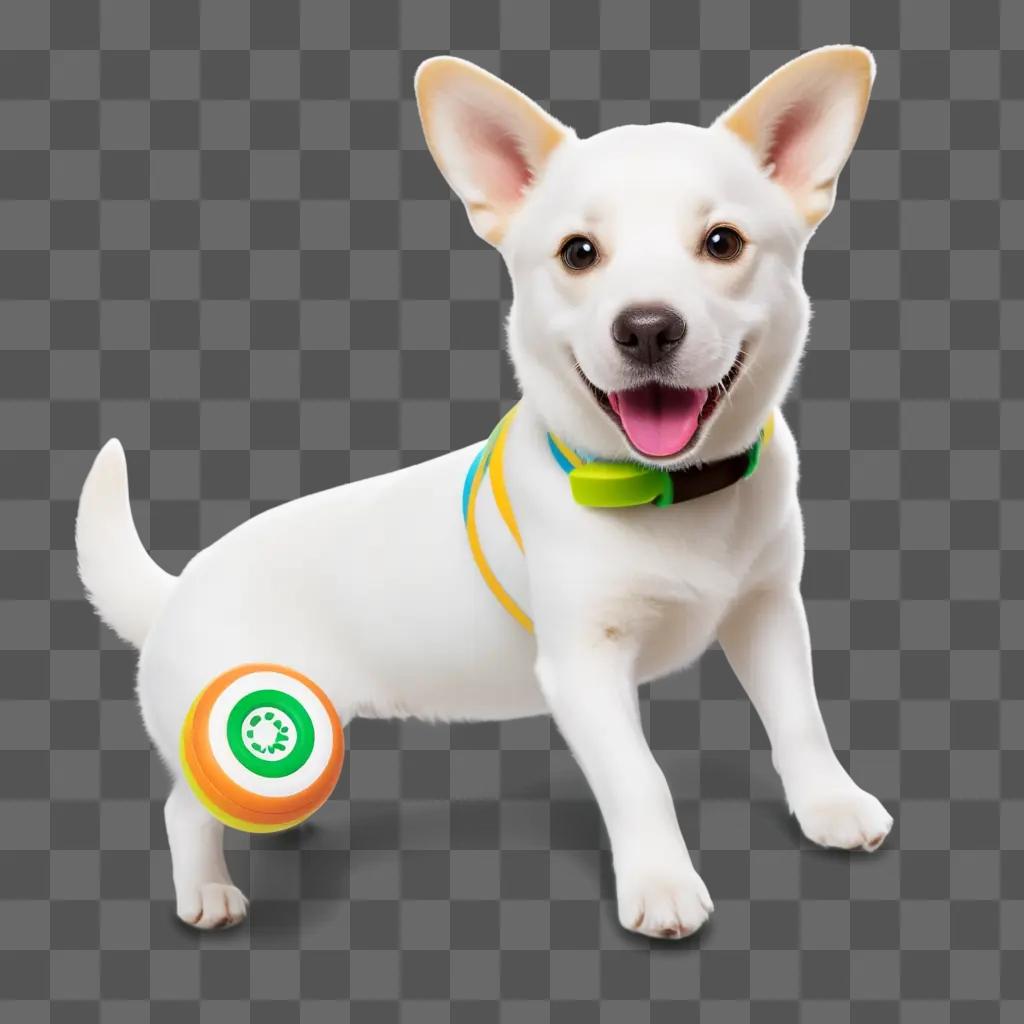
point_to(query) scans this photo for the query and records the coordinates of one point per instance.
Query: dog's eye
(579, 253)
(723, 243)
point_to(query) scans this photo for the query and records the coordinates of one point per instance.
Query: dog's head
(659, 311)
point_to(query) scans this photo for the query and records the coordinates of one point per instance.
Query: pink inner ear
(495, 159)
(792, 151)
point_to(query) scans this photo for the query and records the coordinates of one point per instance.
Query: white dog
(658, 321)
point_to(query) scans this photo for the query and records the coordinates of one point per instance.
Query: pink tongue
(659, 421)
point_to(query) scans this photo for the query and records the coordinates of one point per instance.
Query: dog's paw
(847, 818)
(212, 905)
(667, 903)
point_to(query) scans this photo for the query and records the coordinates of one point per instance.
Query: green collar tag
(619, 485)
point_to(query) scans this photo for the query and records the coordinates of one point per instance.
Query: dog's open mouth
(661, 421)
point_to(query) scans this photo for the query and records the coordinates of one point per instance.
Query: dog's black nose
(648, 334)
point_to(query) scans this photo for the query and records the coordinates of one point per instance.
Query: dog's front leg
(766, 639)
(590, 691)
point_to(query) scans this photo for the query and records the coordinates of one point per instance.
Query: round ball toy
(262, 748)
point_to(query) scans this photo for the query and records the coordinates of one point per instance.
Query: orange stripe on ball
(221, 815)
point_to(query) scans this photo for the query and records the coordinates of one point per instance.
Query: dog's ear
(802, 122)
(488, 139)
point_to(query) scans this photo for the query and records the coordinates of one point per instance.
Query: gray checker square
(222, 240)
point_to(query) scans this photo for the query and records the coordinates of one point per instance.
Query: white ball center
(269, 733)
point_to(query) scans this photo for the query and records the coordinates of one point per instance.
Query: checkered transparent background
(223, 241)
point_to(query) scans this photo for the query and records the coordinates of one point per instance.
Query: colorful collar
(627, 484)
(594, 484)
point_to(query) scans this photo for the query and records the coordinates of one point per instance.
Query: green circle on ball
(285, 738)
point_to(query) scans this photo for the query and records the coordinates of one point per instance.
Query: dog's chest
(678, 637)
(672, 597)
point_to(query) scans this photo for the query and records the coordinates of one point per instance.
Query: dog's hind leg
(206, 896)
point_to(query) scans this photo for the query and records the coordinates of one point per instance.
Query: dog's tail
(126, 587)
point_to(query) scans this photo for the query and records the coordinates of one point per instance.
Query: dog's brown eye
(723, 243)
(579, 253)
